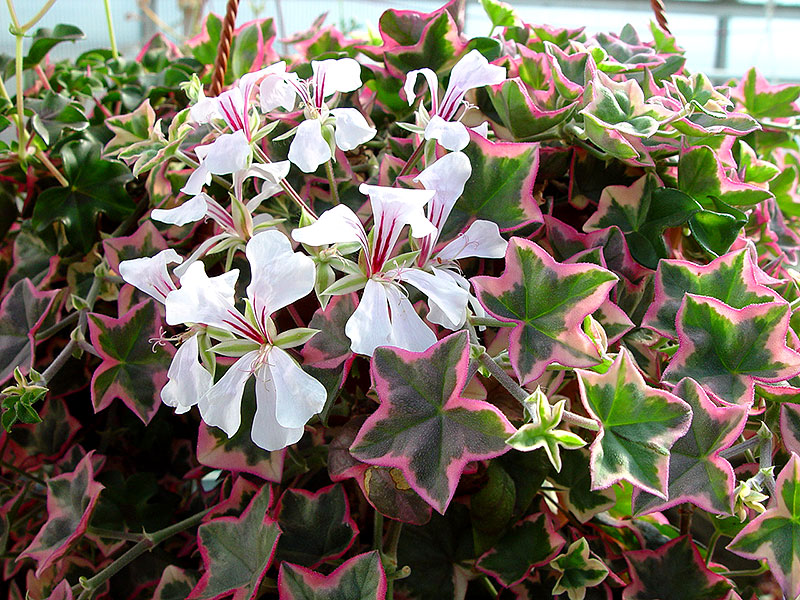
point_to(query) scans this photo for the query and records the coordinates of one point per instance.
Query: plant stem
(488, 586)
(19, 471)
(52, 168)
(411, 161)
(521, 395)
(377, 530)
(115, 535)
(111, 36)
(38, 16)
(66, 321)
(712, 544)
(740, 448)
(149, 542)
(490, 322)
(745, 572)
(22, 134)
(332, 182)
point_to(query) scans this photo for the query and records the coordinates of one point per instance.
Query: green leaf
(95, 186)
(702, 175)
(45, 40)
(763, 100)
(639, 424)
(491, 508)
(541, 432)
(315, 527)
(500, 13)
(643, 211)
(727, 350)
(424, 427)
(548, 301)
(675, 571)
(577, 571)
(56, 113)
(237, 551)
(132, 370)
(360, 578)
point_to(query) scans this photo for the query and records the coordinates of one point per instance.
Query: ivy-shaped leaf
(730, 278)
(95, 186)
(790, 426)
(500, 188)
(520, 114)
(175, 584)
(530, 543)
(702, 175)
(697, 473)
(23, 311)
(71, 498)
(424, 427)
(45, 39)
(773, 534)
(132, 370)
(675, 571)
(54, 114)
(145, 241)
(577, 571)
(237, 551)
(575, 479)
(727, 350)
(548, 301)
(763, 100)
(315, 527)
(359, 578)
(541, 432)
(643, 211)
(638, 426)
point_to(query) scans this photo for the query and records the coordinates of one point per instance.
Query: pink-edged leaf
(575, 479)
(500, 188)
(385, 489)
(315, 526)
(424, 427)
(577, 572)
(132, 370)
(237, 551)
(726, 350)
(175, 584)
(238, 452)
(63, 591)
(548, 301)
(697, 473)
(614, 320)
(764, 100)
(675, 571)
(71, 498)
(638, 426)
(145, 241)
(521, 114)
(359, 578)
(702, 175)
(790, 426)
(530, 543)
(730, 278)
(773, 534)
(22, 313)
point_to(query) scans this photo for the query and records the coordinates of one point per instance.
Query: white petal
(190, 211)
(450, 299)
(201, 299)
(472, 71)
(150, 274)
(433, 86)
(369, 325)
(482, 129)
(198, 253)
(298, 395)
(452, 135)
(267, 433)
(204, 110)
(199, 177)
(229, 153)
(271, 174)
(188, 379)
(482, 239)
(352, 128)
(249, 80)
(280, 276)
(309, 149)
(336, 75)
(221, 406)
(277, 90)
(396, 207)
(336, 225)
(447, 177)
(408, 329)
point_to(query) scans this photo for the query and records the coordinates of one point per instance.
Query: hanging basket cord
(661, 14)
(224, 49)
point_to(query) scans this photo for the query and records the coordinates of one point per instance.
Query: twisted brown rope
(661, 14)
(224, 49)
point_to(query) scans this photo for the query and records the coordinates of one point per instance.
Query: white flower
(286, 396)
(472, 71)
(309, 148)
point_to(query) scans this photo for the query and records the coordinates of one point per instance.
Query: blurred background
(722, 38)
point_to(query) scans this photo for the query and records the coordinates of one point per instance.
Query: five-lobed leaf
(638, 426)
(727, 350)
(577, 571)
(548, 301)
(697, 473)
(359, 578)
(237, 551)
(424, 427)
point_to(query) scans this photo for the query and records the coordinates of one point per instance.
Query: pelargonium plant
(430, 317)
